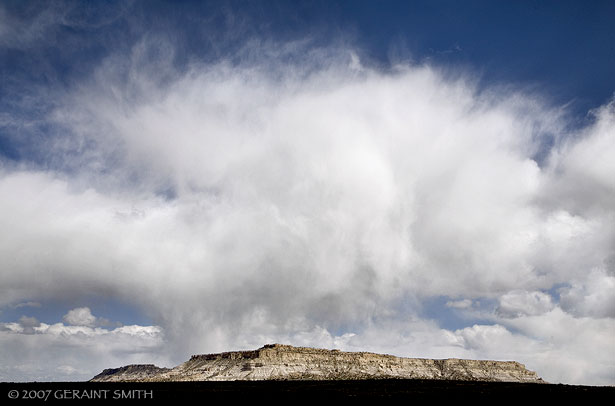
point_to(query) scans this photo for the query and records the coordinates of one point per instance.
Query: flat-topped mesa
(131, 372)
(285, 362)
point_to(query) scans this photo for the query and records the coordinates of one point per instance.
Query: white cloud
(518, 303)
(460, 304)
(495, 341)
(581, 168)
(81, 316)
(590, 296)
(243, 203)
(569, 349)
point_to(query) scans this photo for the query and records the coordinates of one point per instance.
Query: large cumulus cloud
(318, 202)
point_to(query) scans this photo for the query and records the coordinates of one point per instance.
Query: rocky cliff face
(285, 362)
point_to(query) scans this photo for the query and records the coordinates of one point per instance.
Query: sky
(430, 179)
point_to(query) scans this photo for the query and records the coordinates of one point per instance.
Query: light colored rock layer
(285, 362)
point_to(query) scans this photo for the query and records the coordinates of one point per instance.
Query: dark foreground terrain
(394, 389)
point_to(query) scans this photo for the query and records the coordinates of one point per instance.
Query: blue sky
(428, 179)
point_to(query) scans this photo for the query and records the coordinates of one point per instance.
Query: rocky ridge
(285, 362)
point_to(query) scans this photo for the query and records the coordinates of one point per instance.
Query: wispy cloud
(26, 304)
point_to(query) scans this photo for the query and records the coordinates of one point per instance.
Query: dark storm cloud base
(264, 390)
